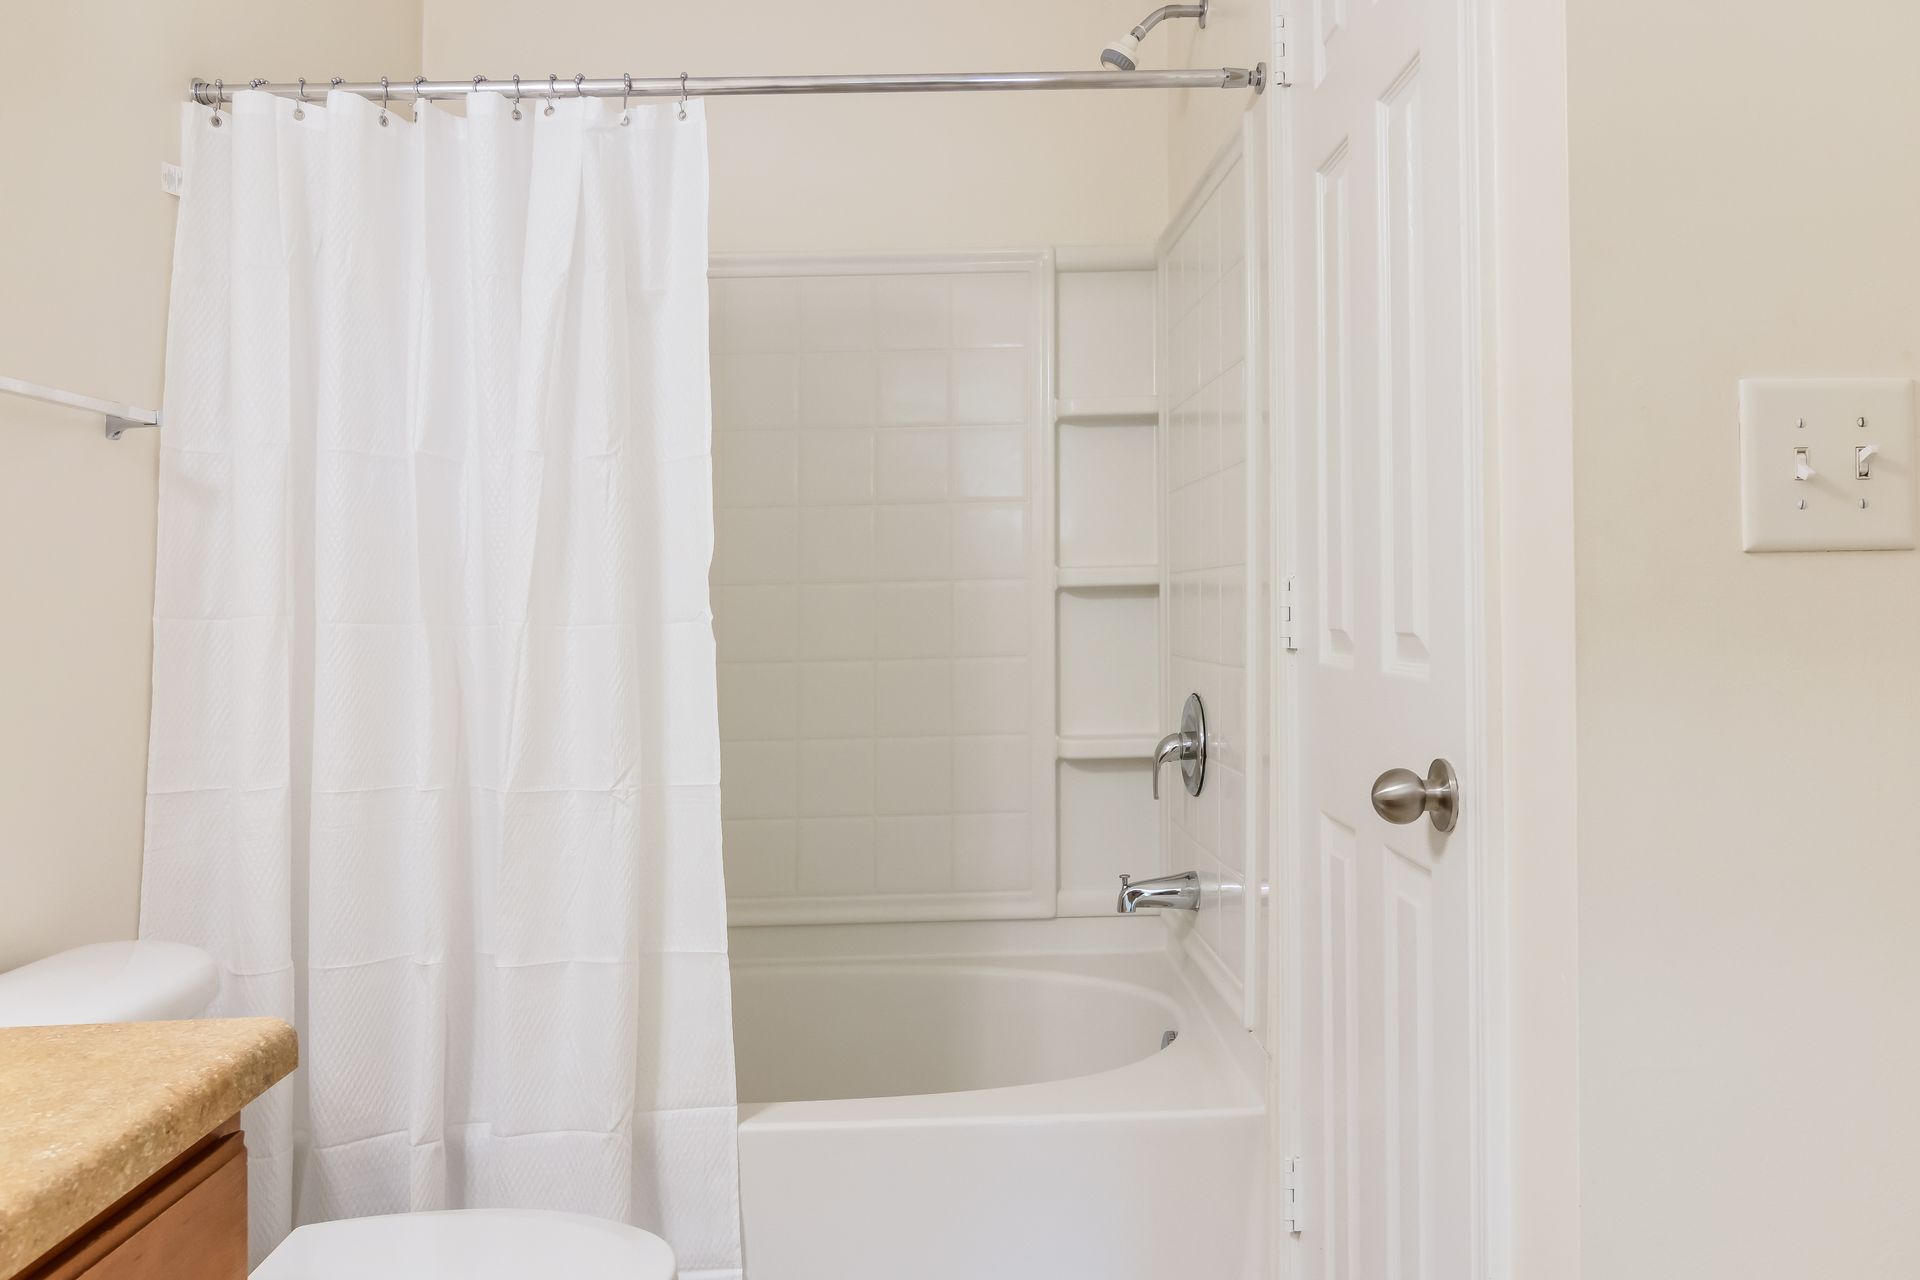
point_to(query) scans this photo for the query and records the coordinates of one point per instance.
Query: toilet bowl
(469, 1244)
(152, 981)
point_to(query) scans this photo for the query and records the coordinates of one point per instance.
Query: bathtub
(926, 1102)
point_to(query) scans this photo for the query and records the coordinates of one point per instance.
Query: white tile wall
(1109, 493)
(1110, 668)
(1205, 275)
(1107, 334)
(876, 443)
(1108, 824)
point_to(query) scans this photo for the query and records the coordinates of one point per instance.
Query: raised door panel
(1380, 437)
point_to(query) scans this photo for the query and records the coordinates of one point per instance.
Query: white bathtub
(917, 1104)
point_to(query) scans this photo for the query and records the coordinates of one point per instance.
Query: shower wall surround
(1217, 554)
(879, 581)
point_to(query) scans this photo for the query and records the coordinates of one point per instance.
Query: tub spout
(1178, 892)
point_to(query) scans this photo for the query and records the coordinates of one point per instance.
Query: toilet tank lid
(145, 981)
(469, 1244)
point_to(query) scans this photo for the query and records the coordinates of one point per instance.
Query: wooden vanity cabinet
(186, 1222)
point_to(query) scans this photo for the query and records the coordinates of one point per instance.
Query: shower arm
(1166, 11)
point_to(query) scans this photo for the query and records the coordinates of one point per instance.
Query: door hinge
(1289, 615)
(1292, 1216)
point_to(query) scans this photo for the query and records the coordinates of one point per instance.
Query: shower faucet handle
(1175, 746)
(1188, 745)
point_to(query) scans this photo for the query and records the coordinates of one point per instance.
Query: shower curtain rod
(208, 92)
(120, 417)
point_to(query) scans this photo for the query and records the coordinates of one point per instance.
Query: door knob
(1401, 796)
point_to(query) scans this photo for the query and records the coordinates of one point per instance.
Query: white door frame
(1517, 247)
(1530, 704)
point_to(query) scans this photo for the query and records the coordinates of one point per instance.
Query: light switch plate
(1833, 508)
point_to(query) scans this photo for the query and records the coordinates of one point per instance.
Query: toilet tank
(144, 981)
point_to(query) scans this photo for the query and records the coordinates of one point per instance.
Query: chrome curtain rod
(120, 417)
(208, 92)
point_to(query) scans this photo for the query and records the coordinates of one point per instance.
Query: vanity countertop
(88, 1113)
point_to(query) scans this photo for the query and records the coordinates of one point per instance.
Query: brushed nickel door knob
(1401, 796)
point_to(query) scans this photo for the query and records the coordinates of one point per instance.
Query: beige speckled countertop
(89, 1113)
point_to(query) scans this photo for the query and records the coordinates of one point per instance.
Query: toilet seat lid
(469, 1244)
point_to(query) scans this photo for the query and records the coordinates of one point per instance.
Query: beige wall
(1199, 122)
(947, 171)
(1745, 201)
(85, 243)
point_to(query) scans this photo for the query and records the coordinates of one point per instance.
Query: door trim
(1531, 1220)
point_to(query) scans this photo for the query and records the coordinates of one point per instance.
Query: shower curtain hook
(516, 97)
(626, 92)
(300, 107)
(553, 91)
(383, 102)
(219, 92)
(683, 95)
(579, 80)
(417, 82)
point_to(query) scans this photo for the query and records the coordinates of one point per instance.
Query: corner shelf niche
(1106, 443)
(1140, 577)
(1095, 410)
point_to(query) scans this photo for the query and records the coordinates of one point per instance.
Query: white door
(1383, 544)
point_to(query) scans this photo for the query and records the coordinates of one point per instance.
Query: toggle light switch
(1789, 501)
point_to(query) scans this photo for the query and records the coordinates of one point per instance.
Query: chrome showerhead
(1124, 54)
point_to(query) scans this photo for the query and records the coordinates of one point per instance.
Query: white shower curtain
(434, 763)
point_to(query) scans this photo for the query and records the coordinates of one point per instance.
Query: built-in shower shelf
(1108, 575)
(1097, 409)
(1116, 747)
